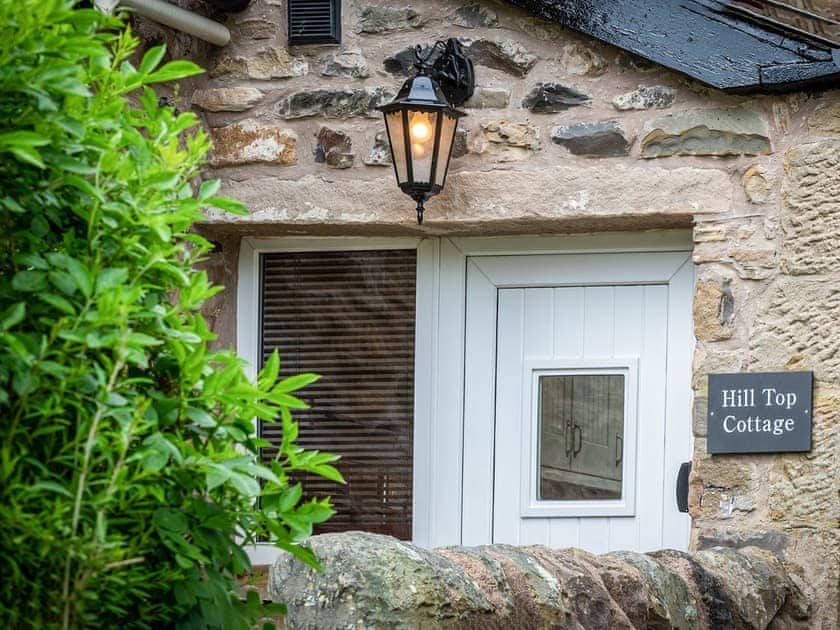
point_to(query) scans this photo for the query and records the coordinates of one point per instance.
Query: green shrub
(129, 473)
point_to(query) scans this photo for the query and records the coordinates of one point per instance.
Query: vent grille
(349, 316)
(314, 21)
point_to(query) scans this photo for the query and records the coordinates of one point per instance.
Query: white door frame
(443, 504)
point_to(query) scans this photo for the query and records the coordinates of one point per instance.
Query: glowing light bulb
(420, 131)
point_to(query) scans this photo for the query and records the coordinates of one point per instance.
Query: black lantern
(422, 119)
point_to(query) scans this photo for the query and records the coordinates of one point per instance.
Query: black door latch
(682, 486)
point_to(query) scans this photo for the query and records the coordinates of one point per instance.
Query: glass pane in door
(581, 433)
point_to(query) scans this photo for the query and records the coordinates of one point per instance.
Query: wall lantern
(422, 119)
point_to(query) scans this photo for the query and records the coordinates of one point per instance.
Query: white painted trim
(607, 242)
(531, 505)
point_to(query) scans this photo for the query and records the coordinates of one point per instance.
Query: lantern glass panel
(447, 135)
(421, 132)
(396, 138)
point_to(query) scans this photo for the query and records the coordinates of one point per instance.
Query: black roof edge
(704, 39)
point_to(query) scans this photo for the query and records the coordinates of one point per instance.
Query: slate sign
(762, 412)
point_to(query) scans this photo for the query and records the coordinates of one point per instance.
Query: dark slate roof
(733, 45)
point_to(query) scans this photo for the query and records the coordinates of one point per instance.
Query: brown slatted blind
(349, 316)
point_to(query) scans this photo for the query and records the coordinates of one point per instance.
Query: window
(314, 22)
(349, 316)
(579, 456)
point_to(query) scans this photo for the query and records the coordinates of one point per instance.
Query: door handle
(619, 449)
(682, 487)
(577, 436)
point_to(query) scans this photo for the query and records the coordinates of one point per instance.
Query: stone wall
(373, 581)
(567, 135)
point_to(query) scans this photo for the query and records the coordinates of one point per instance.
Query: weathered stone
(603, 139)
(800, 494)
(508, 56)
(510, 141)
(377, 581)
(826, 120)
(714, 310)
(335, 103)
(334, 148)
(754, 264)
(256, 29)
(706, 132)
(401, 63)
(699, 417)
(380, 153)
(582, 61)
(250, 141)
(798, 327)
(548, 198)
(272, 63)
(459, 146)
(758, 184)
(474, 16)
(646, 97)
(349, 63)
(234, 99)
(810, 218)
(549, 98)
(384, 19)
(542, 29)
(769, 540)
(488, 98)
(709, 359)
(709, 233)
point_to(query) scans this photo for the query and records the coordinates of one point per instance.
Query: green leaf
(12, 316)
(51, 486)
(29, 281)
(174, 70)
(170, 520)
(23, 139)
(109, 278)
(209, 188)
(228, 205)
(58, 302)
(294, 383)
(151, 59)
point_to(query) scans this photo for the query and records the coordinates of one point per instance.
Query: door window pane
(581, 436)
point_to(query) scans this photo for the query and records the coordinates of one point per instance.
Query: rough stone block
(384, 19)
(508, 56)
(334, 148)
(801, 492)
(380, 153)
(797, 326)
(488, 98)
(550, 98)
(335, 103)
(272, 63)
(709, 233)
(646, 97)
(752, 263)
(602, 139)
(759, 184)
(474, 16)
(706, 132)
(377, 581)
(460, 147)
(349, 63)
(580, 60)
(234, 99)
(251, 141)
(810, 219)
(826, 120)
(401, 63)
(714, 310)
(506, 141)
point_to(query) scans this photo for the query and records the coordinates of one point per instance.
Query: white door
(576, 378)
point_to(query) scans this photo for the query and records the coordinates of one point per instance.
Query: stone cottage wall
(565, 134)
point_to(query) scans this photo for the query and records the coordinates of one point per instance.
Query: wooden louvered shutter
(314, 21)
(349, 316)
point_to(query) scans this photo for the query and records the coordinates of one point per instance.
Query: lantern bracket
(448, 65)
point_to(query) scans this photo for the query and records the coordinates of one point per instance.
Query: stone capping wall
(374, 581)
(566, 134)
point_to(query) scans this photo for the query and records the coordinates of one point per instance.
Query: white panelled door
(573, 435)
